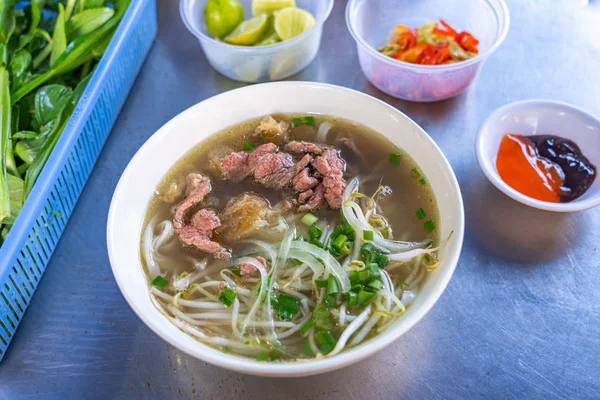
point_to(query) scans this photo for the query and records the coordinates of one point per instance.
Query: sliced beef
(307, 194)
(235, 166)
(250, 271)
(282, 178)
(316, 200)
(199, 231)
(331, 167)
(197, 187)
(272, 164)
(303, 181)
(305, 147)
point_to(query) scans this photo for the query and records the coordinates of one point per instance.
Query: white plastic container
(370, 23)
(258, 63)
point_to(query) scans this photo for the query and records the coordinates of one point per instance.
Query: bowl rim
(251, 49)
(313, 366)
(480, 57)
(491, 173)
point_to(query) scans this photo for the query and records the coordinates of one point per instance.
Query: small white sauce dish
(540, 117)
(185, 131)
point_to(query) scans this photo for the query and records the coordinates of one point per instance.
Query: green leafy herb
(429, 226)
(160, 282)
(249, 146)
(227, 296)
(420, 213)
(395, 158)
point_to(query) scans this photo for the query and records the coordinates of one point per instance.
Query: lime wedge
(269, 36)
(291, 22)
(248, 32)
(222, 16)
(270, 6)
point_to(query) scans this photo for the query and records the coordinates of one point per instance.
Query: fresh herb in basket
(48, 51)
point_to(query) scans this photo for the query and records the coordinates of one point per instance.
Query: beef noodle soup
(290, 237)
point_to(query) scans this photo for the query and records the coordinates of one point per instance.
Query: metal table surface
(520, 318)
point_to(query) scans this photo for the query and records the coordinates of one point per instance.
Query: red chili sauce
(544, 167)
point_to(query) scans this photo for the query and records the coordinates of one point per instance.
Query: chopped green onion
(330, 300)
(236, 272)
(346, 248)
(415, 173)
(274, 300)
(429, 226)
(315, 242)
(287, 307)
(160, 282)
(332, 285)
(325, 337)
(225, 350)
(309, 219)
(307, 350)
(308, 120)
(227, 296)
(261, 357)
(336, 232)
(315, 232)
(339, 241)
(365, 296)
(322, 283)
(420, 213)
(326, 348)
(347, 228)
(307, 325)
(422, 181)
(322, 317)
(249, 146)
(427, 257)
(300, 238)
(351, 299)
(375, 284)
(366, 252)
(351, 235)
(374, 270)
(297, 121)
(382, 260)
(395, 158)
(294, 261)
(403, 285)
(368, 235)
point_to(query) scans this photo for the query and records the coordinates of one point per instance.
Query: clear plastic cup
(370, 23)
(258, 63)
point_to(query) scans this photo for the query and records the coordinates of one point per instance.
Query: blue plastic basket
(35, 234)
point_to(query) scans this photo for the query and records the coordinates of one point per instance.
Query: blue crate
(37, 230)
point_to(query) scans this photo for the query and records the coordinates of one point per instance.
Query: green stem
(4, 142)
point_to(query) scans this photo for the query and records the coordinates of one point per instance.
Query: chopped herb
(315, 232)
(322, 283)
(274, 300)
(429, 226)
(236, 272)
(375, 284)
(368, 235)
(261, 357)
(307, 325)
(420, 213)
(249, 146)
(332, 285)
(422, 181)
(227, 296)
(300, 239)
(403, 285)
(307, 350)
(395, 158)
(225, 350)
(347, 228)
(415, 173)
(315, 242)
(325, 337)
(382, 260)
(346, 248)
(330, 300)
(427, 257)
(160, 282)
(365, 296)
(294, 261)
(308, 120)
(326, 348)
(309, 219)
(351, 299)
(340, 241)
(366, 252)
(287, 307)
(322, 317)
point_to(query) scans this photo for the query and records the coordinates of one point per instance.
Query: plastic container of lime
(258, 63)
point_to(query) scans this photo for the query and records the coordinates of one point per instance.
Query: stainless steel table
(520, 318)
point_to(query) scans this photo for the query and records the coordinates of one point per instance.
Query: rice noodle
(323, 131)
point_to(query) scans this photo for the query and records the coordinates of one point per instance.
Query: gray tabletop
(520, 318)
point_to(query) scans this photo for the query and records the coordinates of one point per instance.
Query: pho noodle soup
(290, 237)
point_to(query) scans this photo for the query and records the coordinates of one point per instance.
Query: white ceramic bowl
(185, 131)
(540, 117)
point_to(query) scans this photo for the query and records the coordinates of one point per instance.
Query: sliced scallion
(322, 317)
(249, 146)
(160, 282)
(420, 213)
(368, 235)
(395, 158)
(227, 296)
(365, 296)
(309, 219)
(429, 226)
(307, 325)
(332, 285)
(315, 232)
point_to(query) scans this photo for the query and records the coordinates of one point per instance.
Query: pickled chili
(431, 44)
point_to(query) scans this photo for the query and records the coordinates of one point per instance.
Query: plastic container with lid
(370, 23)
(258, 63)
